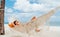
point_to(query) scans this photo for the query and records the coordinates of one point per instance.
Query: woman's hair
(15, 22)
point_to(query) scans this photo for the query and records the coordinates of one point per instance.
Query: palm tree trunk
(2, 6)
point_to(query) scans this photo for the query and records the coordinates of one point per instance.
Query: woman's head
(16, 22)
(12, 25)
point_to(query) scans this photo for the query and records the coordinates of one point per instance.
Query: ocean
(49, 24)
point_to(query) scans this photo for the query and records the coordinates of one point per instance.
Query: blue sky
(25, 9)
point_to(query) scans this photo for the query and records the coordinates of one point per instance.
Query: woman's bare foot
(37, 30)
(34, 18)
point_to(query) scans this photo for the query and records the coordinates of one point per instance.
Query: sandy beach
(53, 31)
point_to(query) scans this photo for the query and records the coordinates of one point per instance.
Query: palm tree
(2, 5)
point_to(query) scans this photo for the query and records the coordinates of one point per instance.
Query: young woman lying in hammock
(17, 23)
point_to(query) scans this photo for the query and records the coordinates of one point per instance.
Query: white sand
(52, 32)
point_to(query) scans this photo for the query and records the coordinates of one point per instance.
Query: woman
(17, 23)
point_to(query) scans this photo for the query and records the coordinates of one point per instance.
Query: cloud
(8, 10)
(49, 2)
(43, 6)
(26, 6)
(53, 16)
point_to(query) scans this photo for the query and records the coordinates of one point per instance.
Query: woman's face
(17, 22)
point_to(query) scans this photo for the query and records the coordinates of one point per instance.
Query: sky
(26, 9)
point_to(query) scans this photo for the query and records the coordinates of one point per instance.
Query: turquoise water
(50, 23)
(55, 23)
